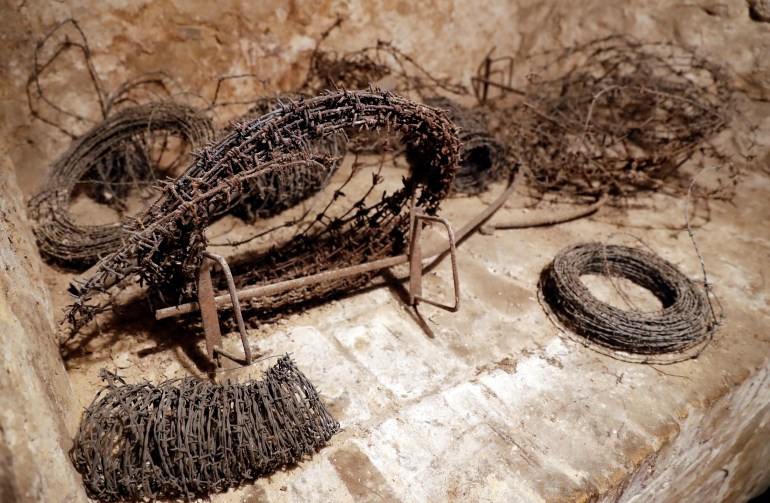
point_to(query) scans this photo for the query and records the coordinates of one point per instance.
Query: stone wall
(38, 410)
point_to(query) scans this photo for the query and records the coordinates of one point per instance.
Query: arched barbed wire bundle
(119, 154)
(483, 160)
(613, 116)
(163, 245)
(282, 190)
(189, 438)
(678, 331)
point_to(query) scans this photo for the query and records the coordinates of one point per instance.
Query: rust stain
(362, 479)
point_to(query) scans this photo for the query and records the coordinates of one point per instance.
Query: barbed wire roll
(678, 331)
(188, 438)
(482, 158)
(163, 245)
(114, 153)
(280, 191)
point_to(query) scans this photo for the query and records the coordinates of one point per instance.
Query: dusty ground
(493, 403)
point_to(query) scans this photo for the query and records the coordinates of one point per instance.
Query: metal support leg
(209, 315)
(415, 262)
(208, 309)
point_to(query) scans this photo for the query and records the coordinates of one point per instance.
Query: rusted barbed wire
(282, 190)
(359, 69)
(115, 156)
(163, 245)
(613, 116)
(188, 438)
(679, 330)
(483, 159)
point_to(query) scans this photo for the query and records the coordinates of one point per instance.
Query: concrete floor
(495, 403)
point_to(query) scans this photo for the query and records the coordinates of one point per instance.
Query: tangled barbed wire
(164, 244)
(190, 437)
(612, 116)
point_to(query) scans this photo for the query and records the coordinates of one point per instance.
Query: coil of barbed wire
(190, 437)
(679, 330)
(110, 159)
(482, 158)
(164, 244)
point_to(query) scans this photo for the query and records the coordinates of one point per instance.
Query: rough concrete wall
(196, 42)
(37, 406)
(717, 456)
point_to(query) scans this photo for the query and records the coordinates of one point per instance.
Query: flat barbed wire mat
(164, 244)
(678, 331)
(108, 161)
(190, 438)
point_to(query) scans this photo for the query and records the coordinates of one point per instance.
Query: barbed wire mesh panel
(163, 245)
(189, 438)
(123, 153)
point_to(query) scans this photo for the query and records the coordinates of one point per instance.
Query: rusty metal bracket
(414, 257)
(208, 303)
(208, 308)
(485, 77)
(234, 297)
(415, 261)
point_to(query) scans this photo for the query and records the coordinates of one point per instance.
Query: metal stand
(209, 316)
(208, 303)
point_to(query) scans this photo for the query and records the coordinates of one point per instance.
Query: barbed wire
(163, 245)
(189, 437)
(678, 331)
(122, 153)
